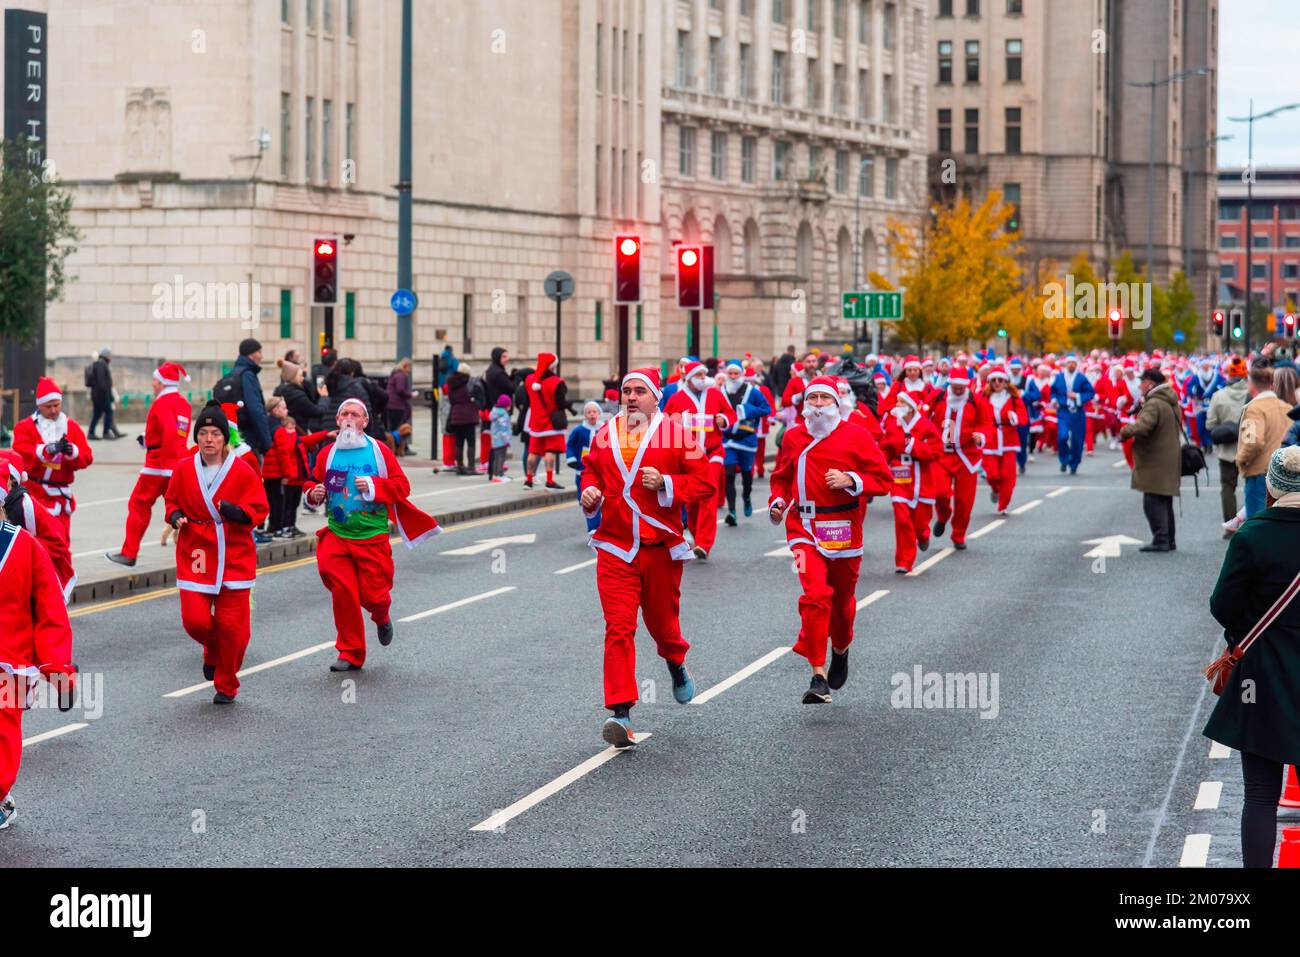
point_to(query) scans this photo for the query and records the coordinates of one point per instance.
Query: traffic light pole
(558, 354)
(329, 326)
(622, 342)
(404, 339)
(694, 345)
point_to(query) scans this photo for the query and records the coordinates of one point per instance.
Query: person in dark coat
(497, 380)
(308, 414)
(1157, 460)
(101, 396)
(343, 381)
(400, 395)
(1258, 713)
(254, 423)
(781, 372)
(462, 419)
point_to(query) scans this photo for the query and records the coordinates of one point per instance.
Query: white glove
(1013, 418)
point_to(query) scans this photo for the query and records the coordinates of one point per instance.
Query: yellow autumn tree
(1025, 316)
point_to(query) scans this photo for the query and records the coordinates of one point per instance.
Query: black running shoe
(386, 633)
(344, 665)
(839, 670)
(119, 559)
(818, 691)
(731, 519)
(555, 486)
(220, 698)
(939, 529)
(209, 672)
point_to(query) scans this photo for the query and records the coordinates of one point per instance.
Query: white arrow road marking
(1196, 850)
(500, 818)
(1207, 796)
(573, 568)
(1027, 506)
(456, 604)
(56, 733)
(487, 544)
(1108, 547)
(931, 561)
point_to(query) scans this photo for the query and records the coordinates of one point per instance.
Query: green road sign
(872, 305)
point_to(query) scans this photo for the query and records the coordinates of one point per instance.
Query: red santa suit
(1094, 413)
(1043, 431)
(925, 393)
(166, 434)
(52, 473)
(823, 526)
(764, 426)
(1128, 396)
(697, 411)
(964, 426)
(357, 568)
(546, 395)
(639, 543)
(1000, 466)
(912, 447)
(216, 559)
(39, 523)
(35, 639)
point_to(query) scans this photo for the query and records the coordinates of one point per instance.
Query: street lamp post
(857, 228)
(1187, 220)
(1154, 84)
(1249, 119)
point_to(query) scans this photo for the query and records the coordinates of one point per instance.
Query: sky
(1259, 56)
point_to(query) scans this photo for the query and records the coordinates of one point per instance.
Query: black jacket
(101, 379)
(309, 415)
(497, 379)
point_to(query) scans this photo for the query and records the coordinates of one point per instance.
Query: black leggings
(1263, 779)
(746, 485)
(292, 499)
(275, 499)
(466, 444)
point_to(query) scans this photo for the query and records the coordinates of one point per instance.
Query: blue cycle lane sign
(404, 302)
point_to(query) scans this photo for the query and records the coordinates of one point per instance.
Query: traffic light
(1116, 320)
(1218, 318)
(627, 270)
(325, 272)
(690, 287)
(706, 276)
(1287, 330)
(1238, 325)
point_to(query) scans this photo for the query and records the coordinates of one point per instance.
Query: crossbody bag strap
(1270, 616)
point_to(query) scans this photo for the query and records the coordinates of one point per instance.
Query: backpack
(478, 392)
(90, 375)
(230, 390)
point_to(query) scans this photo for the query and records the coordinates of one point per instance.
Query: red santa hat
(693, 367)
(751, 374)
(1129, 363)
(649, 376)
(231, 410)
(824, 384)
(12, 464)
(910, 399)
(999, 372)
(960, 375)
(911, 362)
(927, 361)
(47, 391)
(171, 374)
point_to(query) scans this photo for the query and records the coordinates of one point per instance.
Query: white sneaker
(502, 478)
(1114, 444)
(8, 811)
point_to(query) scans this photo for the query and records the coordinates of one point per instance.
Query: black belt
(825, 509)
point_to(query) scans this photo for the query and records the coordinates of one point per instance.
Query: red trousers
(448, 450)
(955, 495)
(1127, 446)
(358, 574)
(220, 623)
(11, 748)
(40, 499)
(828, 605)
(760, 457)
(910, 526)
(139, 510)
(702, 517)
(652, 582)
(1001, 471)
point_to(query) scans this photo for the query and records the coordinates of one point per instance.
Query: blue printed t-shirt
(350, 515)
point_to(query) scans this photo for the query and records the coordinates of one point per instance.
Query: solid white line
(931, 561)
(103, 501)
(996, 523)
(1057, 492)
(500, 818)
(456, 604)
(1196, 850)
(573, 568)
(1027, 506)
(255, 668)
(1219, 750)
(741, 675)
(782, 552)
(873, 597)
(56, 733)
(1207, 796)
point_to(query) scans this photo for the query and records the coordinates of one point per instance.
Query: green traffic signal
(1002, 333)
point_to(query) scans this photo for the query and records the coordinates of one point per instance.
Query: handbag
(1219, 670)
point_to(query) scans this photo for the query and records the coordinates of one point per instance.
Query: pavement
(474, 738)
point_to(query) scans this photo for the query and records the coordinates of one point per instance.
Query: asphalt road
(1091, 753)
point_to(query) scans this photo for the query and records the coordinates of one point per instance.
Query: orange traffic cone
(1291, 791)
(1288, 854)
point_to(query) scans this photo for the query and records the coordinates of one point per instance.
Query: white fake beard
(957, 401)
(350, 439)
(52, 429)
(821, 420)
(734, 385)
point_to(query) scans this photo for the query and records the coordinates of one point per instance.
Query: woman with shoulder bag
(1258, 712)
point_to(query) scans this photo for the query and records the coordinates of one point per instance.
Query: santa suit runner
(955, 471)
(52, 475)
(696, 412)
(912, 449)
(1001, 455)
(166, 437)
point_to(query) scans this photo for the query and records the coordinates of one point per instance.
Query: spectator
(344, 382)
(309, 413)
(400, 394)
(447, 365)
(100, 380)
(321, 370)
(609, 407)
(1263, 559)
(1221, 420)
(309, 383)
(1264, 424)
(273, 471)
(462, 419)
(497, 380)
(376, 402)
(254, 425)
(499, 426)
(1285, 382)
(1157, 460)
(578, 447)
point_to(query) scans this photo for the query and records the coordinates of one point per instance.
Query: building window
(1288, 211)
(348, 142)
(327, 15)
(841, 18)
(1290, 271)
(778, 77)
(814, 85)
(1013, 129)
(814, 162)
(309, 135)
(746, 66)
(326, 128)
(286, 130)
(1259, 270)
(1015, 7)
(684, 59)
(686, 151)
(286, 313)
(838, 94)
(891, 177)
(945, 61)
(716, 75)
(867, 177)
(746, 8)
(1260, 241)
(310, 18)
(841, 171)
(916, 107)
(1228, 242)
(284, 12)
(972, 8)
(748, 147)
(1291, 242)
(864, 22)
(972, 131)
(599, 179)
(626, 60)
(1227, 270)
(466, 324)
(780, 159)
(351, 18)
(1014, 49)
(972, 61)
(349, 315)
(945, 8)
(600, 57)
(889, 26)
(945, 131)
(814, 17)
(718, 155)
(778, 11)
(864, 95)
(889, 99)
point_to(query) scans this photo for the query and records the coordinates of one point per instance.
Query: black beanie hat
(249, 346)
(211, 414)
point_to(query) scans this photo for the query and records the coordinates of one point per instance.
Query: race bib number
(183, 426)
(336, 481)
(902, 474)
(698, 421)
(834, 536)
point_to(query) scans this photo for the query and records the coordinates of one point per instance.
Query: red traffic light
(627, 270)
(1116, 315)
(1289, 319)
(628, 246)
(689, 257)
(690, 287)
(324, 248)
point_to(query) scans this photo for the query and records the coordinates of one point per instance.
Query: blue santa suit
(1022, 382)
(740, 442)
(1071, 420)
(1202, 392)
(579, 441)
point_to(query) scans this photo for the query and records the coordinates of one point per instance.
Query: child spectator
(579, 446)
(277, 412)
(499, 427)
(289, 452)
